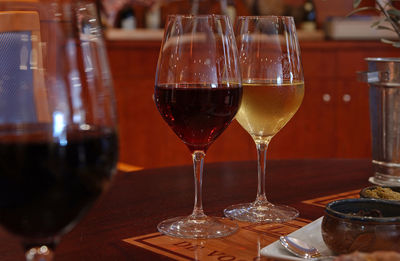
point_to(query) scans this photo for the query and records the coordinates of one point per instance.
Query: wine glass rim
(204, 16)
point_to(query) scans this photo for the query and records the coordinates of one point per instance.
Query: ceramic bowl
(361, 224)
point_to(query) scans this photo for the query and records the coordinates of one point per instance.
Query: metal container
(383, 77)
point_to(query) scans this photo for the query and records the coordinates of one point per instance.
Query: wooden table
(137, 201)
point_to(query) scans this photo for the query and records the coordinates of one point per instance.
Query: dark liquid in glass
(198, 114)
(46, 182)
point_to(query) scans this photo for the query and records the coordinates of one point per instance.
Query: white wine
(267, 107)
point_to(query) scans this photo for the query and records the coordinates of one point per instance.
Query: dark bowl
(363, 192)
(349, 225)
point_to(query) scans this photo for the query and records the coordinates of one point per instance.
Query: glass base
(382, 180)
(205, 227)
(264, 212)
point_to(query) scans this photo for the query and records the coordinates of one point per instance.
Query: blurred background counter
(157, 34)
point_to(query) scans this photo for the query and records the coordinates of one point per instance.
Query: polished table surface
(137, 201)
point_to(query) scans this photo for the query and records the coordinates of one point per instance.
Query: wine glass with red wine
(58, 137)
(198, 92)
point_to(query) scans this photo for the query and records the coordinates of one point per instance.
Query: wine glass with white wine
(273, 89)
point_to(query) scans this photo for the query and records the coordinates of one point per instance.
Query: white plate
(310, 233)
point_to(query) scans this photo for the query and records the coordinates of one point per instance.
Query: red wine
(198, 114)
(47, 183)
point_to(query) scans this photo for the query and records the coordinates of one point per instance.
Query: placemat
(322, 201)
(246, 244)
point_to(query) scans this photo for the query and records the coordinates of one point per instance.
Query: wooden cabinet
(333, 120)
(343, 102)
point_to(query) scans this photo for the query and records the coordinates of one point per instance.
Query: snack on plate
(382, 193)
(374, 256)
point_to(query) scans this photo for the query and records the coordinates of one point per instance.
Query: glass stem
(198, 162)
(41, 253)
(262, 161)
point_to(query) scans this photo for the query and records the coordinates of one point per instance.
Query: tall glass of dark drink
(198, 92)
(58, 137)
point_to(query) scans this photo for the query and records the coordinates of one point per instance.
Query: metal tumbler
(383, 77)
